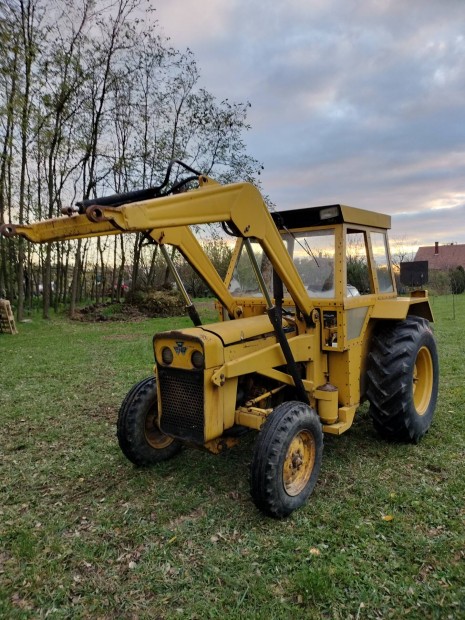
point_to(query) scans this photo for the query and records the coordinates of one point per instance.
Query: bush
(439, 282)
(457, 280)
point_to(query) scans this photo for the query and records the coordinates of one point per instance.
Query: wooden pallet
(7, 320)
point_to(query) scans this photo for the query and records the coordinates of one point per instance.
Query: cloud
(354, 102)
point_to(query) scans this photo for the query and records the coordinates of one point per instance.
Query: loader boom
(240, 204)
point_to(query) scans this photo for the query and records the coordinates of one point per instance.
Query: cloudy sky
(360, 102)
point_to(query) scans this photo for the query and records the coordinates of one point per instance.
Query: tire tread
(265, 476)
(129, 432)
(389, 385)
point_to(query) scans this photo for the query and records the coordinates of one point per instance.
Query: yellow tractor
(310, 325)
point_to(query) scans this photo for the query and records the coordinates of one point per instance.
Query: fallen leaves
(17, 600)
(233, 536)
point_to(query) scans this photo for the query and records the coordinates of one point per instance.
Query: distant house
(442, 257)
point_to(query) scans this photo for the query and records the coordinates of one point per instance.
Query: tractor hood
(240, 330)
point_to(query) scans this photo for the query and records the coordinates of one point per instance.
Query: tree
(219, 252)
(9, 59)
(94, 101)
(358, 274)
(457, 280)
(402, 251)
(20, 29)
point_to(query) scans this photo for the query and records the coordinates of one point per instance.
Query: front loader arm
(79, 226)
(240, 204)
(59, 229)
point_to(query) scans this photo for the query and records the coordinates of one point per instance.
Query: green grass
(84, 534)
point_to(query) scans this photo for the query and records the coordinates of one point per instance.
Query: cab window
(358, 272)
(313, 255)
(244, 282)
(382, 264)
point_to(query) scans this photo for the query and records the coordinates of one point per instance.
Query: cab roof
(330, 214)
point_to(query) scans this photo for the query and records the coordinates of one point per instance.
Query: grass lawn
(84, 534)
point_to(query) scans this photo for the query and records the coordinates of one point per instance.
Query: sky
(359, 102)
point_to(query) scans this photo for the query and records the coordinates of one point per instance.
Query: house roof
(442, 256)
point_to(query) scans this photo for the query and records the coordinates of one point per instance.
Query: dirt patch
(108, 311)
(140, 306)
(137, 307)
(193, 516)
(163, 303)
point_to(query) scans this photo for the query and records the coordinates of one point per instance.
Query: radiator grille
(182, 403)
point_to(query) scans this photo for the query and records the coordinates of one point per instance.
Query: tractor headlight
(167, 356)
(197, 360)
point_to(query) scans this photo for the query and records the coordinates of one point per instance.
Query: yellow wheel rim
(153, 434)
(299, 462)
(422, 380)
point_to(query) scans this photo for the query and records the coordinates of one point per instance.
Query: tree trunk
(135, 263)
(76, 279)
(121, 269)
(151, 276)
(27, 9)
(166, 280)
(46, 281)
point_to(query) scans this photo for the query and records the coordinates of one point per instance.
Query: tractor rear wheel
(139, 437)
(287, 459)
(403, 377)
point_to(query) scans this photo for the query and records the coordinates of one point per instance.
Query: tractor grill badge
(180, 349)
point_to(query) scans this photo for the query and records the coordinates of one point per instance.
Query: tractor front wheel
(403, 376)
(139, 437)
(287, 459)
